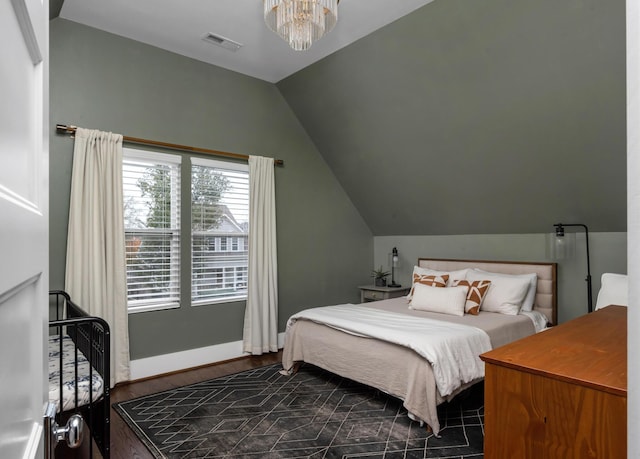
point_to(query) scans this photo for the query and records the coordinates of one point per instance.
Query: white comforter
(452, 349)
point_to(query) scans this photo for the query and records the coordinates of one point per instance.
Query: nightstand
(373, 293)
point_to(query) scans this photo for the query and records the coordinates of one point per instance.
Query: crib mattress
(89, 387)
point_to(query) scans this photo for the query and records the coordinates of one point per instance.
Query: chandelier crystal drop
(301, 22)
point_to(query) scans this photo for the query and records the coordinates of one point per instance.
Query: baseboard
(184, 360)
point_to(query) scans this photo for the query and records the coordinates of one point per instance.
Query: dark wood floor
(124, 443)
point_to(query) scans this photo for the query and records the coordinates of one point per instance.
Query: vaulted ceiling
(474, 117)
(477, 117)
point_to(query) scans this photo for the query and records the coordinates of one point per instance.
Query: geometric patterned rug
(312, 414)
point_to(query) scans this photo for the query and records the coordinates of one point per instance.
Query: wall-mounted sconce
(563, 247)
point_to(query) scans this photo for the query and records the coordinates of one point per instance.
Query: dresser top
(590, 351)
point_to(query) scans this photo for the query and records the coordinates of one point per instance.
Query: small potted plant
(380, 277)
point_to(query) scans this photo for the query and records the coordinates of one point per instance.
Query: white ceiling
(179, 26)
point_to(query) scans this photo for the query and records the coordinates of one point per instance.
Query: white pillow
(530, 298)
(614, 290)
(459, 274)
(505, 294)
(449, 300)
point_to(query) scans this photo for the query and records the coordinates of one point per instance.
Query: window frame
(172, 160)
(234, 276)
(223, 242)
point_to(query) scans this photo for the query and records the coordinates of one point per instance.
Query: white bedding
(88, 388)
(452, 349)
(539, 320)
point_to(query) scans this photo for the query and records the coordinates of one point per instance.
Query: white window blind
(219, 231)
(151, 183)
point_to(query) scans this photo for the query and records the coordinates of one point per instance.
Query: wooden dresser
(561, 393)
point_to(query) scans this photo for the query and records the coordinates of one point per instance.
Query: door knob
(72, 432)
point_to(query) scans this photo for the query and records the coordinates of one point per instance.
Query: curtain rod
(64, 129)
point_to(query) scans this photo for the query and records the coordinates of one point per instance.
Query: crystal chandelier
(301, 22)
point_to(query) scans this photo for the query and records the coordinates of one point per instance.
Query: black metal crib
(79, 357)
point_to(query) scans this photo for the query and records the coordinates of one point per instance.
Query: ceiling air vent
(221, 41)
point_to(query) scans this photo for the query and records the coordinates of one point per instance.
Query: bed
(402, 371)
(79, 368)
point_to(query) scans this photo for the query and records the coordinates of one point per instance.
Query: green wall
(106, 82)
(477, 117)
(467, 128)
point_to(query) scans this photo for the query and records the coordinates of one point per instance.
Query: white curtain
(261, 314)
(95, 276)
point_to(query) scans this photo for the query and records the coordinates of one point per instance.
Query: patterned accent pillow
(430, 280)
(477, 291)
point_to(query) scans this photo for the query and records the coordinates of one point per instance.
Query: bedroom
(347, 193)
(343, 199)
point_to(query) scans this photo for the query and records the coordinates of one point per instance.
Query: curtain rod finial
(64, 129)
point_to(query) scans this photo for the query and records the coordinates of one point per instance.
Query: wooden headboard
(546, 300)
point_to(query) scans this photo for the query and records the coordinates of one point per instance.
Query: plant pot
(380, 282)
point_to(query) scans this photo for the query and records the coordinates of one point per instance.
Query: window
(151, 185)
(219, 230)
(220, 212)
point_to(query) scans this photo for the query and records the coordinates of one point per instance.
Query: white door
(24, 196)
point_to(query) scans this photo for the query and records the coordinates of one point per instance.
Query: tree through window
(151, 185)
